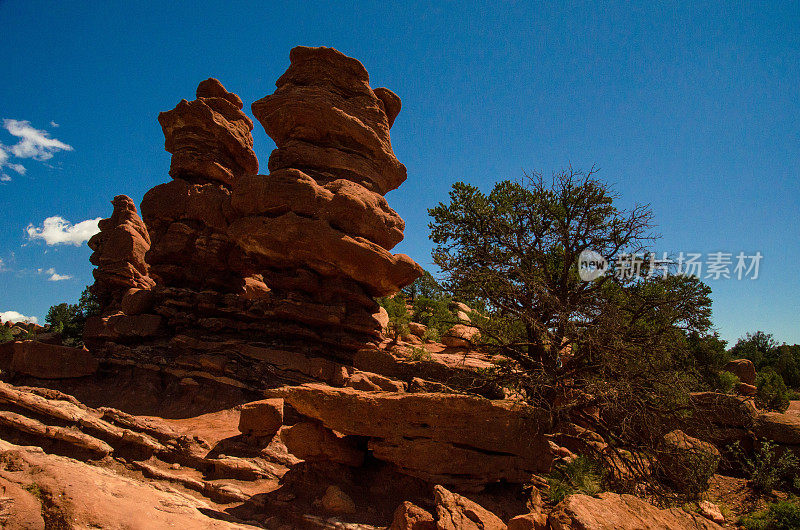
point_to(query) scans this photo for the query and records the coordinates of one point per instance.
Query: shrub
(771, 391)
(726, 381)
(434, 313)
(432, 335)
(581, 475)
(399, 317)
(419, 354)
(766, 470)
(781, 515)
(5, 334)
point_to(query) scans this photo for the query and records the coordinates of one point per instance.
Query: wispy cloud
(33, 143)
(56, 230)
(2, 265)
(53, 275)
(14, 316)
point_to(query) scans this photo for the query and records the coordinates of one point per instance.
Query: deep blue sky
(692, 109)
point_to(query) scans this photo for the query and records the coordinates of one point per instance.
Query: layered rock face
(266, 278)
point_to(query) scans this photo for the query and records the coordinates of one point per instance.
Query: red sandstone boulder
(313, 441)
(456, 512)
(261, 418)
(337, 501)
(370, 382)
(445, 438)
(777, 427)
(529, 521)
(723, 409)
(743, 389)
(209, 137)
(417, 329)
(688, 462)
(461, 336)
(409, 516)
(744, 369)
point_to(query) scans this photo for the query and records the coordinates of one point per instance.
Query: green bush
(781, 515)
(726, 381)
(581, 475)
(5, 334)
(434, 313)
(419, 354)
(766, 470)
(399, 316)
(432, 335)
(772, 392)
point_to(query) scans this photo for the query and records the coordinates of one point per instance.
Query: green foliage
(399, 317)
(766, 470)
(771, 392)
(5, 334)
(781, 515)
(788, 364)
(419, 354)
(759, 347)
(434, 313)
(633, 346)
(726, 382)
(425, 286)
(766, 354)
(707, 357)
(432, 335)
(70, 319)
(581, 475)
(34, 489)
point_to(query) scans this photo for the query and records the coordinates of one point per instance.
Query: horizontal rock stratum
(451, 439)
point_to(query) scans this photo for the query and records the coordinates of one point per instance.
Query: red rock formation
(329, 123)
(268, 278)
(119, 253)
(209, 138)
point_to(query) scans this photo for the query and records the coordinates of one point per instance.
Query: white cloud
(53, 124)
(57, 230)
(13, 316)
(54, 276)
(19, 168)
(2, 265)
(33, 143)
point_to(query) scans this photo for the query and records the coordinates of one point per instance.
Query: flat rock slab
(469, 439)
(622, 512)
(46, 361)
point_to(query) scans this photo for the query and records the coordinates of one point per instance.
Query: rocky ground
(310, 456)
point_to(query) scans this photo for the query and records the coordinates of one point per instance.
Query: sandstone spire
(119, 253)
